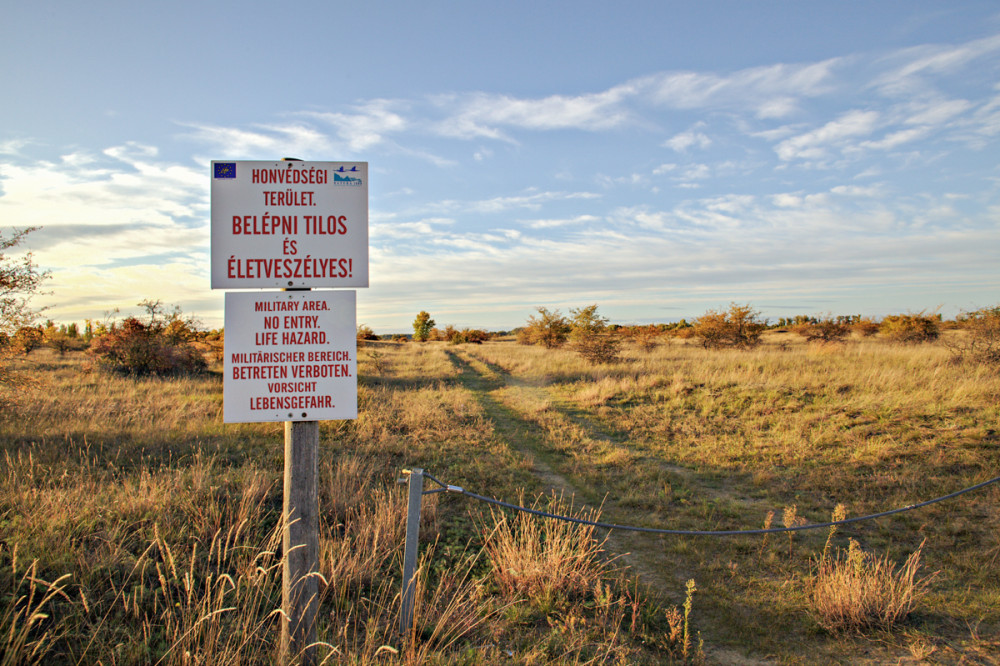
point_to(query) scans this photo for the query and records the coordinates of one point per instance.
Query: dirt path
(510, 402)
(513, 405)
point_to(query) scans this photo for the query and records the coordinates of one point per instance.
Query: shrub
(136, 348)
(646, 337)
(466, 335)
(827, 329)
(980, 341)
(911, 328)
(590, 335)
(865, 327)
(366, 333)
(62, 342)
(27, 339)
(549, 329)
(740, 327)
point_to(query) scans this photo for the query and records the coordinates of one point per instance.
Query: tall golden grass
(152, 526)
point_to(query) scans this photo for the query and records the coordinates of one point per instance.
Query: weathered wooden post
(300, 542)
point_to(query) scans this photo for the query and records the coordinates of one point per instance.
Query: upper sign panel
(289, 224)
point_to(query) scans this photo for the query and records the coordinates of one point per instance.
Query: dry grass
(163, 518)
(159, 526)
(545, 560)
(855, 590)
(690, 438)
(26, 632)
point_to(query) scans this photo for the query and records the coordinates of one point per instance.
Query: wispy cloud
(816, 144)
(484, 115)
(772, 91)
(262, 141)
(910, 71)
(366, 125)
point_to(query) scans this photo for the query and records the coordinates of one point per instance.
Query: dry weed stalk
(26, 629)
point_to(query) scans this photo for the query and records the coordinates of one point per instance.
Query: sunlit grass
(107, 480)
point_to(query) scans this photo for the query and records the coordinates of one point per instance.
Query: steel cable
(657, 530)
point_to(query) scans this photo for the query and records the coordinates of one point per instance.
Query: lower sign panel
(290, 356)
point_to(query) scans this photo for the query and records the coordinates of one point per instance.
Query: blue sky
(659, 160)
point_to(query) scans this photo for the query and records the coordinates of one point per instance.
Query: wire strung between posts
(657, 530)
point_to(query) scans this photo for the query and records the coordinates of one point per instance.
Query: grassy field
(135, 527)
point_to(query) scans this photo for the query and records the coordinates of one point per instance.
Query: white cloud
(366, 126)
(912, 69)
(858, 191)
(13, 146)
(814, 144)
(485, 115)
(579, 220)
(771, 91)
(263, 141)
(935, 112)
(786, 200)
(896, 139)
(681, 142)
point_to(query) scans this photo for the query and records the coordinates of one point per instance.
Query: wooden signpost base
(300, 538)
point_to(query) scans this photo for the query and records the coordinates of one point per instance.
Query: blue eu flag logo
(225, 169)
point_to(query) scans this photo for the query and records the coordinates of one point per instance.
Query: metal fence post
(416, 485)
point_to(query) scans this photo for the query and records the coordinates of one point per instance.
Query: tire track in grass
(509, 403)
(529, 419)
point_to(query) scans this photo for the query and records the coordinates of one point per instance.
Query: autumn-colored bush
(365, 332)
(27, 339)
(135, 348)
(645, 337)
(979, 340)
(911, 328)
(827, 329)
(549, 329)
(469, 335)
(865, 327)
(740, 327)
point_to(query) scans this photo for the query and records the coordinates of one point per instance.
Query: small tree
(27, 339)
(422, 326)
(466, 335)
(549, 329)
(20, 280)
(739, 327)
(590, 335)
(62, 342)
